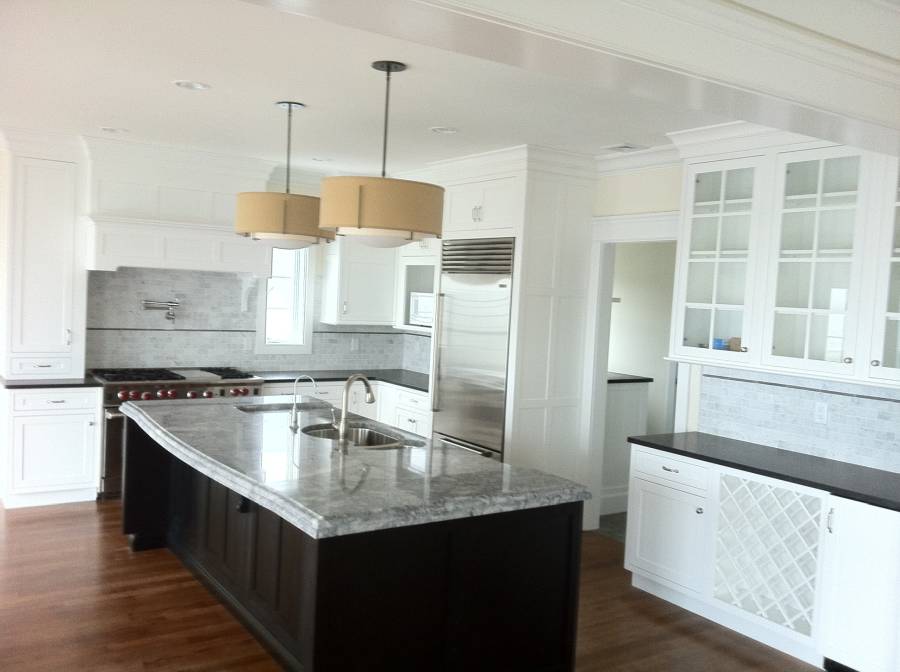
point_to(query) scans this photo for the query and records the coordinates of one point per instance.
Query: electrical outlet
(820, 414)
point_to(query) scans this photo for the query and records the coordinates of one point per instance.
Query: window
(284, 321)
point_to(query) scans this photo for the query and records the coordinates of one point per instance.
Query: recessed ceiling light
(112, 130)
(191, 85)
(627, 147)
(444, 130)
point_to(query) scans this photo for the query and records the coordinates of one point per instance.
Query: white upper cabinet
(358, 283)
(483, 206)
(817, 241)
(718, 261)
(418, 267)
(884, 359)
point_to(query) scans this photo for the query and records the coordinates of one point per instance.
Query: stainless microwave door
(473, 342)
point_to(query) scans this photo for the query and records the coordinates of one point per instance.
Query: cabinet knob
(876, 362)
(344, 308)
(744, 348)
(848, 360)
(474, 210)
(699, 510)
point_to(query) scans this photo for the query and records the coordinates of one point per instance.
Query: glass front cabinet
(718, 258)
(816, 243)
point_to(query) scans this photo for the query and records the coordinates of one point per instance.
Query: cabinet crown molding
(734, 136)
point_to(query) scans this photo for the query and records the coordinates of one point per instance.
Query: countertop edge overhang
(877, 487)
(317, 526)
(48, 383)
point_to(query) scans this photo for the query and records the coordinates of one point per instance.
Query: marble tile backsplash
(862, 427)
(216, 326)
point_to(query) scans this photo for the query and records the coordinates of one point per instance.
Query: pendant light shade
(382, 211)
(290, 219)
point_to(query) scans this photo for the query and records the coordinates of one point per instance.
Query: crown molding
(661, 156)
(735, 136)
(42, 144)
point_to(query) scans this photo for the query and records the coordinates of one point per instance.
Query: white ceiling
(78, 65)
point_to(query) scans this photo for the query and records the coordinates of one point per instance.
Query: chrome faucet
(370, 399)
(295, 422)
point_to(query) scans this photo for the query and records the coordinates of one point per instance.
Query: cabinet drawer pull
(848, 360)
(57, 401)
(829, 521)
(876, 362)
(670, 470)
(699, 510)
(42, 366)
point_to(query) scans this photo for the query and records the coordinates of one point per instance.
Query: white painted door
(861, 596)
(481, 206)
(715, 318)
(884, 362)
(54, 452)
(365, 284)
(42, 241)
(668, 534)
(816, 249)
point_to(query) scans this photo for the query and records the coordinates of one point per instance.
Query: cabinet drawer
(415, 401)
(40, 366)
(410, 421)
(665, 469)
(54, 400)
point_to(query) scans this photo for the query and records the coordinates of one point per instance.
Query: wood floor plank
(73, 597)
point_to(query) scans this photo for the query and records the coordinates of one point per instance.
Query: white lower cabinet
(668, 534)
(861, 596)
(53, 452)
(742, 550)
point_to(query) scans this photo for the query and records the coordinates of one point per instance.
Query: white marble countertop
(327, 492)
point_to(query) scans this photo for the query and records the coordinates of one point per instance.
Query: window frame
(304, 348)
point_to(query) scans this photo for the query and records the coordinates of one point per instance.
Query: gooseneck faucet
(370, 399)
(295, 422)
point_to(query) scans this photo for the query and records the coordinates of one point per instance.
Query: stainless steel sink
(364, 437)
(278, 408)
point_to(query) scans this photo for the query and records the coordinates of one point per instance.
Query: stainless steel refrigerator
(472, 331)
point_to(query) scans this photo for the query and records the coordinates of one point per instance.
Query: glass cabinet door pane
(696, 327)
(700, 281)
(735, 234)
(790, 335)
(894, 289)
(897, 231)
(707, 192)
(826, 338)
(798, 232)
(801, 184)
(840, 174)
(832, 286)
(730, 283)
(727, 329)
(704, 235)
(793, 284)
(891, 356)
(836, 230)
(739, 187)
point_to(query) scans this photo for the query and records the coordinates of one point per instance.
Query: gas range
(178, 383)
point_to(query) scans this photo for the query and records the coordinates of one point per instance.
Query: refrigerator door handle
(438, 324)
(484, 452)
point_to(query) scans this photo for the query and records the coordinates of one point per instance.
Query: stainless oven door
(111, 461)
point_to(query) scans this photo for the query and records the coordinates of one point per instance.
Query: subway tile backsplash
(215, 326)
(862, 427)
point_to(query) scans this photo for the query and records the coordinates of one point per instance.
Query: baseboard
(782, 642)
(14, 501)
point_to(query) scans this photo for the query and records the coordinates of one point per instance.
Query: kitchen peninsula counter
(431, 545)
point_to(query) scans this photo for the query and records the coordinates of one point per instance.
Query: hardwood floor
(73, 597)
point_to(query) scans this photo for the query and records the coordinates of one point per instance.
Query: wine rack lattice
(767, 545)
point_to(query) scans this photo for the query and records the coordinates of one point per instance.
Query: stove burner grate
(134, 375)
(227, 372)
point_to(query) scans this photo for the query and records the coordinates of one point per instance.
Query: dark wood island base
(496, 592)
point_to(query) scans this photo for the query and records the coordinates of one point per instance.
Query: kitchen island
(422, 557)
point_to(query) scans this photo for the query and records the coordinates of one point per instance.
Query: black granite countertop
(864, 484)
(613, 377)
(402, 377)
(87, 381)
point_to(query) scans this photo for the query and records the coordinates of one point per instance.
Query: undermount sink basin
(364, 437)
(277, 408)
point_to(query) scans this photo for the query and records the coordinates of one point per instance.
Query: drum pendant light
(289, 219)
(381, 211)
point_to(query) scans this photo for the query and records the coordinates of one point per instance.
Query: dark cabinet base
(496, 592)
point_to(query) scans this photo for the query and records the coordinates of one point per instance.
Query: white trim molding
(645, 227)
(735, 136)
(661, 156)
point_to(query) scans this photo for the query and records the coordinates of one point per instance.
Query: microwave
(421, 309)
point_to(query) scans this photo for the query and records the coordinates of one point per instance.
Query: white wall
(639, 191)
(639, 329)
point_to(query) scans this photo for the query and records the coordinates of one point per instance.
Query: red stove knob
(234, 392)
(172, 394)
(244, 391)
(160, 394)
(146, 396)
(191, 394)
(208, 394)
(122, 395)
(134, 395)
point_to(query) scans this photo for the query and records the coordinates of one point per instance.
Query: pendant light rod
(289, 105)
(387, 67)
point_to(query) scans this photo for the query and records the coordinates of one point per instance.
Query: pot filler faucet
(370, 399)
(295, 422)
